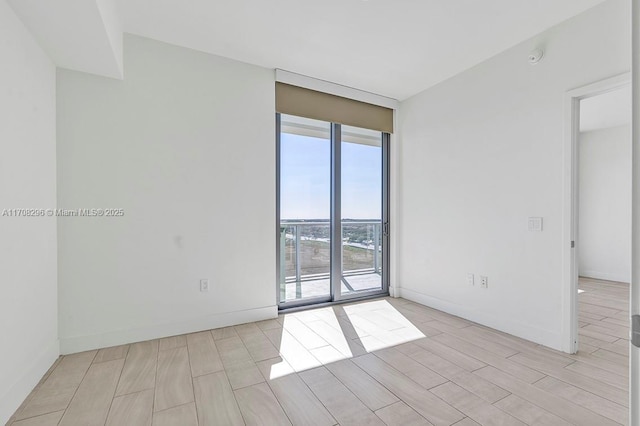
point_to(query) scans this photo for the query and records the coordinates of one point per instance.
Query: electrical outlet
(471, 280)
(484, 282)
(204, 285)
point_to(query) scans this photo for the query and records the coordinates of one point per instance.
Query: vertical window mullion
(336, 215)
(279, 246)
(386, 227)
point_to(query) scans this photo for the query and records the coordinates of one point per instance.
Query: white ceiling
(611, 109)
(394, 48)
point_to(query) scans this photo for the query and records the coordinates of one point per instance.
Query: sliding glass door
(332, 230)
(361, 210)
(305, 210)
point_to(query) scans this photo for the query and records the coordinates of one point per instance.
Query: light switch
(535, 224)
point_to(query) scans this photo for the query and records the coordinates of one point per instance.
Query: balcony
(305, 258)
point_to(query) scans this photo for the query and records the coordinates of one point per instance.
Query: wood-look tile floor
(386, 361)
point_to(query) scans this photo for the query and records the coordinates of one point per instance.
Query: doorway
(571, 217)
(596, 308)
(332, 212)
(604, 225)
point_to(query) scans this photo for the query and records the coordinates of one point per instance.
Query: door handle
(635, 330)
(385, 229)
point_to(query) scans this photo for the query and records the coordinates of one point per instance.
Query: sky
(305, 167)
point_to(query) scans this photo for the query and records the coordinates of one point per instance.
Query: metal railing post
(376, 235)
(282, 285)
(298, 268)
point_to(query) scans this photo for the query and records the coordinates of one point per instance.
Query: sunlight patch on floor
(322, 336)
(380, 325)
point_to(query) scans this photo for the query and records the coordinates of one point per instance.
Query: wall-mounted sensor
(536, 56)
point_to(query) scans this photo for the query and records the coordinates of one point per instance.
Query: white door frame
(570, 199)
(634, 352)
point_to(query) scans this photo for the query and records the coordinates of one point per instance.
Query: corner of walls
(114, 29)
(16, 394)
(80, 35)
(28, 271)
(482, 152)
(395, 184)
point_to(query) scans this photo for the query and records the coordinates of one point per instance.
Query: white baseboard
(605, 276)
(69, 345)
(18, 392)
(506, 325)
(394, 292)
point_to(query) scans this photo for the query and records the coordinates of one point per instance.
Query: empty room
(354, 212)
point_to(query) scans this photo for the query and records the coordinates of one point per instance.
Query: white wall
(481, 153)
(605, 204)
(185, 145)
(28, 292)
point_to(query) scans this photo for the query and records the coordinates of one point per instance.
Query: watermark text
(80, 212)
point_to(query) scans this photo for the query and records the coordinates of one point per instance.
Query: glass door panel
(305, 210)
(361, 210)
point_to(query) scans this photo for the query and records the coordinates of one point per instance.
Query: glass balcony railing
(306, 256)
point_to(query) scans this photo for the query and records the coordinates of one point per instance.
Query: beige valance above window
(308, 103)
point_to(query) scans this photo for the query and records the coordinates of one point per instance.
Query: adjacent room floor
(386, 361)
